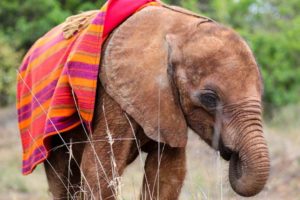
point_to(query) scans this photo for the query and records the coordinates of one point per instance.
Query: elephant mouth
(225, 152)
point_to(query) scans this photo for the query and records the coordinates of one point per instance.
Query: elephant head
(170, 69)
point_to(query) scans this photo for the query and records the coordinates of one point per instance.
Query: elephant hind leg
(62, 168)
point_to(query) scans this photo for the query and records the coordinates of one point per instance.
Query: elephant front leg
(103, 163)
(165, 170)
(102, 167)
(111, 147)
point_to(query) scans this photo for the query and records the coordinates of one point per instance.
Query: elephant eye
(209, 99)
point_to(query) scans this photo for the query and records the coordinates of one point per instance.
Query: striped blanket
(58, 77)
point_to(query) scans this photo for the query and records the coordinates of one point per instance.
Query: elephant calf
(163, 70)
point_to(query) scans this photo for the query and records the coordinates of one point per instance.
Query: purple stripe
(82, 66)
(83, 74)
(32, 165)
(82, 70)
(99, 19)
(61, 123)
(44, 48)
(40, 153)
(24, 64)
(38, 51)
(37, 154)
(42, 96)
(47, 94)
(79, 71)
(27, 114)
(59, 119)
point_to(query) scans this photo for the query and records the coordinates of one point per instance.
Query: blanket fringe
(76, 23)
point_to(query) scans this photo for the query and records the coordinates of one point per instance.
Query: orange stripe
(82, 82)
(84, 58)
(80, 87)
(95, 28)
(55, 32)
(33, 146)
(22, 74)
(84, 53)
(37, 87)
(37, 112)
(53, 112)
(59, 112)
(39, 142)
(85, 116)
(43, 40)
(52, 50)
(42, 159)
(87, 100)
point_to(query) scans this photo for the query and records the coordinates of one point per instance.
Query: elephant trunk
(249, 166)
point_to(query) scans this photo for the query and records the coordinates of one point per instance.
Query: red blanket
(58, 77)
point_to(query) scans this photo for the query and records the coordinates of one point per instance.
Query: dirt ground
(207, 176)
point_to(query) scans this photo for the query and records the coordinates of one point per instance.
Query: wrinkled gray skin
(188, 71)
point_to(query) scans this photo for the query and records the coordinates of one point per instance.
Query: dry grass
(207, 173)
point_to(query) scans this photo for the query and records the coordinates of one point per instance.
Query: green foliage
(271, 27)
(75, 6)
(9, 61)
(25, 21)
(35, 21)
(281, 71)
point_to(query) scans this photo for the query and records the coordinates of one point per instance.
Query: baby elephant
(163, 70)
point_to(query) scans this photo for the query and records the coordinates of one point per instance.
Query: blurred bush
(271, 28)
(25, 21)
(75, 6)
(9, 60)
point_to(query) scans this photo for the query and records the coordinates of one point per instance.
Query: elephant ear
(134, 72)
